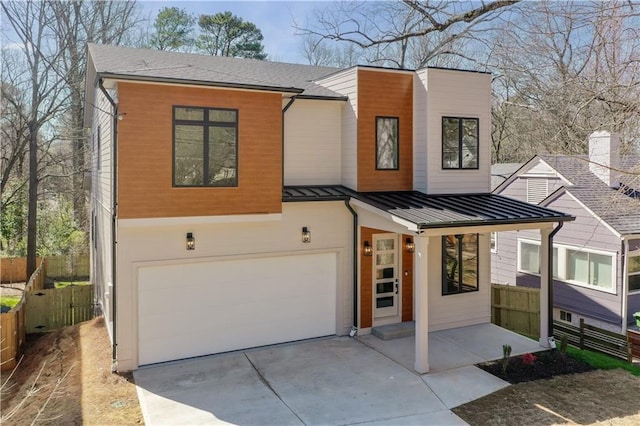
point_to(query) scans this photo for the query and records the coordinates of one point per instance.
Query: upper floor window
(387, 143)
(205, 146)
(459, 143)
(459, 263)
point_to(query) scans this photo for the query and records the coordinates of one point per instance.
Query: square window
(460, 143)
(205, 147)
(565, 316)
(387, 139)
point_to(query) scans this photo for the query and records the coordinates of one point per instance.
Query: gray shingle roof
(155, 65)
(501, 171)
(619, 208)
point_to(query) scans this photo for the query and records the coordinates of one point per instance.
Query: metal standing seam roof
(435, 211)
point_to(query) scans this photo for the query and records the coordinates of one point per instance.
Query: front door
(386, 286)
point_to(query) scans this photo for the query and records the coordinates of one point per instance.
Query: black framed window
(460, 143)
(387, 147)
(205, 146)
(459, 263)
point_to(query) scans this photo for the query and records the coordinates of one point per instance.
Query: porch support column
(420, 259)
(545, 287)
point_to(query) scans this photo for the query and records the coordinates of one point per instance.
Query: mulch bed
(543, 365)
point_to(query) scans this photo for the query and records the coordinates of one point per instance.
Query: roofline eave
(218, 84)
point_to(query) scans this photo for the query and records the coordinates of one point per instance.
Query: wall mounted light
(367, 250)
(409, 245)
(306, 235)
(191, 241)
(121, 116)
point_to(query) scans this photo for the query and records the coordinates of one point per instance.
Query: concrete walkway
(329, 381)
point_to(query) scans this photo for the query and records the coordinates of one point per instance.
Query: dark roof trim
(323, 98)
(316, 193)
(454, 69)
(129, 77)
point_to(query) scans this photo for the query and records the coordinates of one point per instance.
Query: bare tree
(408, 33)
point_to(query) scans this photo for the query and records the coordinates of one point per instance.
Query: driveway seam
(264, 380)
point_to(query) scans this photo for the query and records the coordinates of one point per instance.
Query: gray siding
(504, 261)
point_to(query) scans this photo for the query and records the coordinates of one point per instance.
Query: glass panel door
(385, 280)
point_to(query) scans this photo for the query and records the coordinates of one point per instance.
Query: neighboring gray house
(596, 259)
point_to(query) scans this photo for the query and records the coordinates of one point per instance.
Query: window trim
(635, 253)
(460, 265)
(397, 119)
(206, 124)
(460, 167)
(563, 264)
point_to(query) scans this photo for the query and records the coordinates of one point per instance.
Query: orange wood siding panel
(145, 159)
(407, 282)
(390, 94)
(366, 279)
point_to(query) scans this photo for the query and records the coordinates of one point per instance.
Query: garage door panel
(204, 308)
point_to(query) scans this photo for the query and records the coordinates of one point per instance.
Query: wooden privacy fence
(50, 309)
(14, 269)
(13, 330)
(592, 338)
(516, 309)
(71, 267)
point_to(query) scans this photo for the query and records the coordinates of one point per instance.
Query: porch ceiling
(435, 211)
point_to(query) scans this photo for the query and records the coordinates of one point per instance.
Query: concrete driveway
(332, 381)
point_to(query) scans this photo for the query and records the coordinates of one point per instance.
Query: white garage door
(197, 309)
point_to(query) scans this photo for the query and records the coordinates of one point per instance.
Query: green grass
(63, 284)
(9, 301)
(602, 361)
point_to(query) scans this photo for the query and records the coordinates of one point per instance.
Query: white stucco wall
(330, 224)
(312, 142)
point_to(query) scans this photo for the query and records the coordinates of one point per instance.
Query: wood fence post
(581, 333)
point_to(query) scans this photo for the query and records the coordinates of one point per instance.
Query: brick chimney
(604, 157)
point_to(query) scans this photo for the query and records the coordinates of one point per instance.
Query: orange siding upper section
(389, 94)
(407, 282)
(145, 146)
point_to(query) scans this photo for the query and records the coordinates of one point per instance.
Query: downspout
(114, 216)
(550, 279)
(625, 285)
(354, 327)
(286, 107)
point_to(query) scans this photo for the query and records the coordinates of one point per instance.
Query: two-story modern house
(239, 203)
(596, 258)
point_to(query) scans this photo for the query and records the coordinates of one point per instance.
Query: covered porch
(455, 347)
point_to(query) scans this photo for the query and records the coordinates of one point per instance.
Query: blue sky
(274, 18)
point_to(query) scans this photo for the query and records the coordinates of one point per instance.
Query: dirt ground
(65, 378)
(597, 397)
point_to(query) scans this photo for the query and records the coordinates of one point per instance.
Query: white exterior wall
(420, 151)
(459, 310)
(102, 205)
(312, 143)
(330, 224)
(457, 94)
(346, 83)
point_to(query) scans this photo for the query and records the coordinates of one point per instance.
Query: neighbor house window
(494, 242)
(577, 266)
(205, 146)
(98, 149)
(529, 258)
(634, 273)
(459, 143)
(459, 263)
(590, 268)
(565, 316)
(387, 143)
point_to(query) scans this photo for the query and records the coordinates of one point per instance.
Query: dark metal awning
(435, 211)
